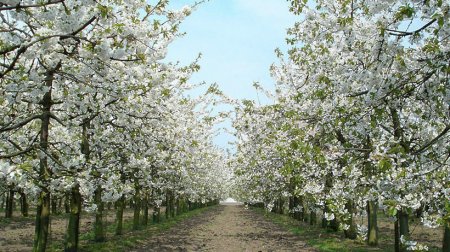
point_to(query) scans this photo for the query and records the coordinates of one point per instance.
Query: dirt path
(226, 228)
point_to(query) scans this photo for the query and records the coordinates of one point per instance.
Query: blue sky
(237, 39)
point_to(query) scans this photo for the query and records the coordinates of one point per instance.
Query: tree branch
(403, 33)
(18, 6)
(19, 153)
(20, 124)
(53, 116)
(433, 141)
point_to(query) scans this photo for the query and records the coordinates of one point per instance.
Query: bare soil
(226, 228)
(16, 234)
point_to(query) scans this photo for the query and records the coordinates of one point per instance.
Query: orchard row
(90, 112)
(361, 119)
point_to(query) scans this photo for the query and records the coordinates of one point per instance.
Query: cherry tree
(84, 92)
(365, 89)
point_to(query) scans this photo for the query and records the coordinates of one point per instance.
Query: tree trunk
(167, 214)
(119, 215)
(172, 204)
(137, 208)
(54, 203)
(99, 229)
(24, 204)
(178, 204)
(396, 235)
(67, 204)
(291, 206)
(145, 210)
(372, 214)
(332, 224)
(73, 230)
(403, 227)
(446, 242)
(312, 218)
(170, 211)
(275, 207)
(302, 214)
(42, 221)
(43, 206)
(9, 204)
(156, 214)
(3, 203)
(351, 232)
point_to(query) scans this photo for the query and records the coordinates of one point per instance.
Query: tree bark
(372, 216)
(403, 227)
(9, 204)
(156, 214)
(137, 208)
(99, 229)
(73, 230)
(67, 204)
(3, 203)
(446, 240)
(312, 218)
(351, 232)
(172, 204)
(145, 210)
(291, 207)
(24, 204)
(42, 221)
(119, 215)
(43, 206)
(54, 202)
(396, 235)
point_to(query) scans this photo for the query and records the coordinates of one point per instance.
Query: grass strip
(321, 239)
(131, 238)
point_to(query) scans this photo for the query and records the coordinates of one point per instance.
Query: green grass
(130, 239)
(317, 237)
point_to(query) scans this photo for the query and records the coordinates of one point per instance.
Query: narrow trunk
(73, 230)
(156, 214)
(172, 204)
(275, 207)
(446, 242)
(167, 205)
(9, 204)
(291, 206)
(24, 204)
(145, 210)
(302, 214)
(332, 224)
(67, 204)
(137, 208)
(351, 232)
(99, 229)
(178, 204)
(42, 222)
(312, 218)
(43, 206)
(281, 206)
(403, 227)
(396, 236)
(372, 211)
(54, 203)
(2, 205)
(119, 215)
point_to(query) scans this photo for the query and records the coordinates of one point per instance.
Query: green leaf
(404, 11)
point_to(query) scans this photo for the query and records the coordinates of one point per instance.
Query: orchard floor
(16, 235)
(226, 228)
